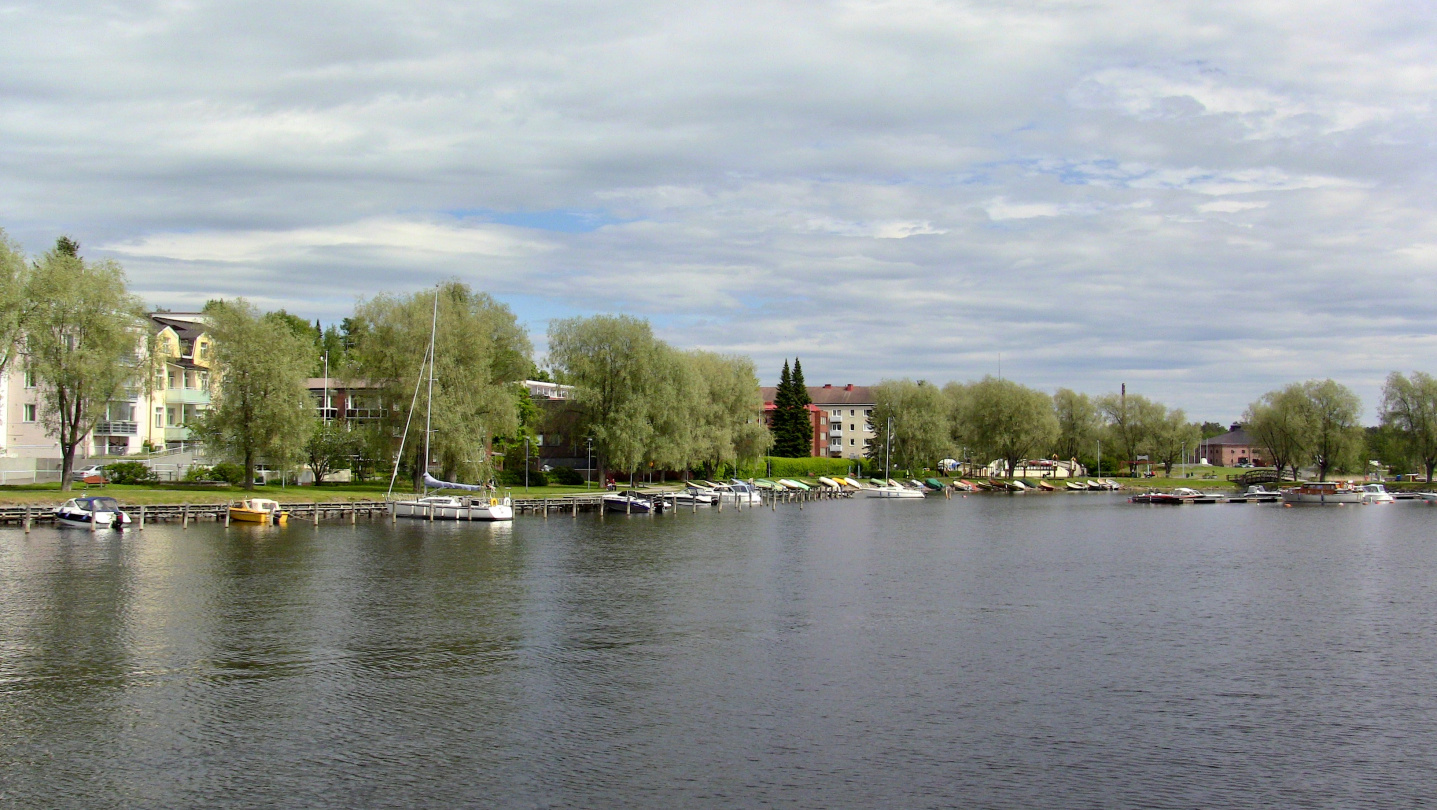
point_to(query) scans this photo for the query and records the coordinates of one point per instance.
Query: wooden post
(27, 519)
(628, 504)
(227, 517)
(393, 513)
(353, 514)
(185, 517)
(142, 517)
(94, 519)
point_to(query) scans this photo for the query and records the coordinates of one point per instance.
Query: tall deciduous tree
(331, 446)
(1336, 434)
(730, 423)
(82, 341)
(1172, 435)
(919, 414)
(14, 303)
(479, 352)
(263, 410)
(1409, 408)
(1008, 421)
(1132, 421)
(611, 360)
(1279, 422)
(1077, 423)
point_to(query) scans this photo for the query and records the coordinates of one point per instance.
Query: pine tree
(792, 430)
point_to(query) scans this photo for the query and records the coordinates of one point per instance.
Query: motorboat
(1376, 494)
(893, 490)
(1045, 486)
(1178, 497)
(1257, 493)
(744, 493)
(453, 507)
(1429, 498)
(94, 512)
(259, 510)
(630, 502)
(1336, 493)
(828, 483)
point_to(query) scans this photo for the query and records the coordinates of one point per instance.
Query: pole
(526, 464)
(429, 398)
(589, 479)
(326, 388)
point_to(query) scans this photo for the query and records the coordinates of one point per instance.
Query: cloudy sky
(1204, 200)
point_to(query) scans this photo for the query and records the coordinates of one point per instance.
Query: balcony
(187, 396)
(117, 428)
(177, 434)
(835, 428)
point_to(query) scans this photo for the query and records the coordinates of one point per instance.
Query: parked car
(94, 474)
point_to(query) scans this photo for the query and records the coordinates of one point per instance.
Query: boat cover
(434, 483)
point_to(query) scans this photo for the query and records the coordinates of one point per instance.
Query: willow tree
(1335, 434)
(1078, 423)
(730, 425)
(613, 362)
(1409, 409)
(1132, 422)
(263, 410)
(1172, 435)
(479, 352)
(82, 342)
(1006, 420)
(920, 433)
(14, 303)
(1279, 422)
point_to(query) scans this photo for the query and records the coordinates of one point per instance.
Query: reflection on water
(1044, 651)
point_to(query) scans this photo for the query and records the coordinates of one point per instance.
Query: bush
(228, 472)
(129, 472)
(515, 478)
(805, 467)
(566, 475)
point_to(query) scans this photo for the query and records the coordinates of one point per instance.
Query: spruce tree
(802, 424)
(792, 429)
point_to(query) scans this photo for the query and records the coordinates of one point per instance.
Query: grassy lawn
(172, 493)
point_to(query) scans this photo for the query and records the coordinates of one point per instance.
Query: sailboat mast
(429, 398)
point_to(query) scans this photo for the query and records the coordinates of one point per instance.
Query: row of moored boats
(1329, 493)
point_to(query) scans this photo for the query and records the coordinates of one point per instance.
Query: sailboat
(888, 488)
(485, 506)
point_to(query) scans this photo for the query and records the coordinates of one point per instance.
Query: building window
(838, 412)
(159, 417)
(850, 442)
(867, 411)
(29, 378)
(853, 427)
(850, 411)
(29, 412)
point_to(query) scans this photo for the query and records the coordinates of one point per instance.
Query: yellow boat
(259, 510)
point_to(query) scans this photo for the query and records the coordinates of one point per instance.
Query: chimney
(828, 385)
(848, 387)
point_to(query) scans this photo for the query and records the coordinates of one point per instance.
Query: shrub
(129, 472)
(226, 471)
(804, 467)
(515, 478)
(566, 475)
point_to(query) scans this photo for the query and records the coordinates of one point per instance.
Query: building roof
(1237, 437)
(830, 394)
(184, 328)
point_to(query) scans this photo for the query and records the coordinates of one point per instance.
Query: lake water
(1035, 651)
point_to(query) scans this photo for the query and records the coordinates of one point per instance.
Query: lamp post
(589, 479)
(526, 463)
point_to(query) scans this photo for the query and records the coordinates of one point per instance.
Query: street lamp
(589, 479)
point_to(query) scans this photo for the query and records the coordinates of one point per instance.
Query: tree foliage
(1313, 422)
(792, 424)
(331, 447)
(1078, 423)
(82, 341)
(921, 432)
(729, 427)
(1278, 422)
(263, 411)
(1132, 422)
(14, 302)
(1005, 420)
(479, 351)
(1171, 436)
(1409, 408)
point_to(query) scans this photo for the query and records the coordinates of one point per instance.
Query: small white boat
(630, 502)
(744, 493)
(828, 483)
(93, 512)
(893, 490)
(1376, 494)
(1324, 493)
(451, 507)
(852, 483)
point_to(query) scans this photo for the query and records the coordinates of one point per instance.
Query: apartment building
(839, 415)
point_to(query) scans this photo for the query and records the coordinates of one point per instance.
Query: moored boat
(1322, 493)
(96, 512)
(629, 502)
(1376, 494)
(451, 507)
(258, 510)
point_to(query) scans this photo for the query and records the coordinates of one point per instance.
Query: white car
(94, 470)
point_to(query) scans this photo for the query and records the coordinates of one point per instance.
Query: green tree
(1336, 435)
(1132, 421)
(792, 424)
(1279, 422)
(1078, 423)
(479, 352)
(920, 425)
(730, 422)
(1409, 408)
(331, 447)
(1172, 436)
(612, 361)
(81, 341)
(1005, 420)
(14, 303)
(263, 410)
